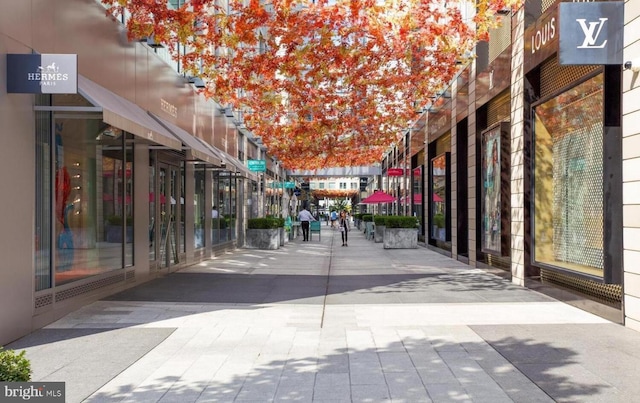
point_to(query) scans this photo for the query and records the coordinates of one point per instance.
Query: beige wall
(17, 203)
(631, 166)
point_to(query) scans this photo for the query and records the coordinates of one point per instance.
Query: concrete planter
(400, 238)
(263, 239)
(379, 233)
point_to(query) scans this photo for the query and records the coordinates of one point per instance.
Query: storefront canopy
(197, 148)
(126, 115)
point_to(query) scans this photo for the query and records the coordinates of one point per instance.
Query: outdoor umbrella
(379, 197)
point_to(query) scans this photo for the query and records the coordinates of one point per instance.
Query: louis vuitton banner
(591, 33)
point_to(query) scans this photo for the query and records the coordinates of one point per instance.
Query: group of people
(305, 217)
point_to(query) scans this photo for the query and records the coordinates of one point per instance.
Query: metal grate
(499, 108)
(609, 294)
(500, 38)
(43, 300)
(546, 4)
(578, 197)
(88, 287)
(555, 77)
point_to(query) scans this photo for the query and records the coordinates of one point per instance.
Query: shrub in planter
(367, 217)
(397, 221)
(400, 232)
(263, 223)
(379, 219)
(14, 367)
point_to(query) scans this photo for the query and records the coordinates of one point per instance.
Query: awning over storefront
(126, 115)
(231, 162)
(195, 146)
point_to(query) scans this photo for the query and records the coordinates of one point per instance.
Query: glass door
(166, 215)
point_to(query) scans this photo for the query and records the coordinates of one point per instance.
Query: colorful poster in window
(491, 198)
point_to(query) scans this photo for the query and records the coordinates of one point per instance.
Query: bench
(314, 226)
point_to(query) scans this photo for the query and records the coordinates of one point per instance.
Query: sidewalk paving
(315, 321)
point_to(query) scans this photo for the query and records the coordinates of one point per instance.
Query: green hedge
(438, 220)
(400, 221)
(14, 367)
(379, 219)
(263, 223)
(367, 217)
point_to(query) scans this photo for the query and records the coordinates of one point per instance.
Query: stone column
(517, 149)
(631, 168)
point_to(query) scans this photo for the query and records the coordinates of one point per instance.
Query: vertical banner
(491, 197)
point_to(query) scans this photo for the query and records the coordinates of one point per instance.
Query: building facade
(530, 161)
(131, 177)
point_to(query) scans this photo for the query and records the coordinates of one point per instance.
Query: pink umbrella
(379, 197)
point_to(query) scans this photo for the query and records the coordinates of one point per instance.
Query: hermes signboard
(42, 74)
(591, 33)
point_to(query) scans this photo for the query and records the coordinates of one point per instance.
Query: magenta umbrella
(379, 197)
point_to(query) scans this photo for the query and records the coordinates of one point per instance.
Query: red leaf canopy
(324, 83)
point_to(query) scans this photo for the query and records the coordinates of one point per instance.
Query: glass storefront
(224, 199)
(438, 198)
(199, 206)
(568, 194)
(84, 217)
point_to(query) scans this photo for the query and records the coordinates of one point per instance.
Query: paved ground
(315, 321)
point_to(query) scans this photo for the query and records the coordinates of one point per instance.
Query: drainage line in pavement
(326, 290)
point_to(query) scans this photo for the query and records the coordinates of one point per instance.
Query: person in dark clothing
(343, 224)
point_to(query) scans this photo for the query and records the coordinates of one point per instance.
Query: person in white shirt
(214, 212)
(304, 216)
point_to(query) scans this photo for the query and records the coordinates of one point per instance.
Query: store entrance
(164, 234)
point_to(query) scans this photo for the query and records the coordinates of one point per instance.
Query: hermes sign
(591, 33)
(42, 74)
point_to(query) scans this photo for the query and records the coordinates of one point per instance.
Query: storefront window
(438, 198)
(84, 189)
(568, 194)
(198, 206)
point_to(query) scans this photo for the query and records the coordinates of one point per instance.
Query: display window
(84, 203)
(568, 201)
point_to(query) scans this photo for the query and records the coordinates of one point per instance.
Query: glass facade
(199, 207)
(84, 217)
(438, 198)
(568, 194)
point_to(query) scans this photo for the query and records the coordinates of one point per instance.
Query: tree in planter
(14, 367)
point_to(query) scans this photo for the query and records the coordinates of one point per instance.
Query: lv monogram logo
(591, 32)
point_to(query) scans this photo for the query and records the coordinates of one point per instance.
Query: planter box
(263, 239)
(378, 236)
(113, 233)
(400, 238)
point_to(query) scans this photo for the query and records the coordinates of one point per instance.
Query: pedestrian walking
(334, 217)
(304, 216)
(345, 227)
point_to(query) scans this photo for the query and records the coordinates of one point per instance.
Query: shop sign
(257, 165)
(395, 172)
(591, 33)
(541, 39)
(42, 74)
